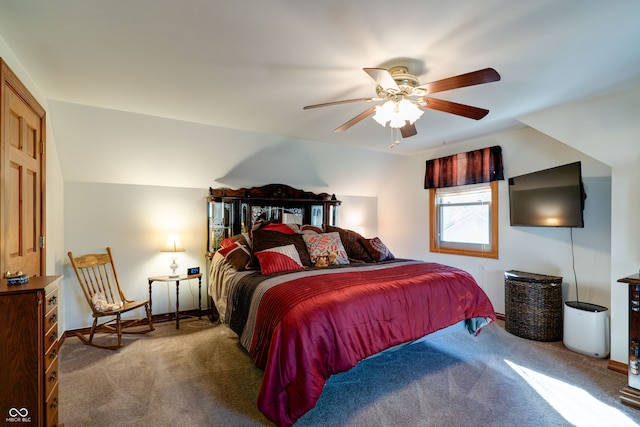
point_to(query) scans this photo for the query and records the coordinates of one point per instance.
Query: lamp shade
(173, 244)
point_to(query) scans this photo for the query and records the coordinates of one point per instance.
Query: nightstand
(178, 279)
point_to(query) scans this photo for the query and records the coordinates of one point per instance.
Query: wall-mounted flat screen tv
(549, 198)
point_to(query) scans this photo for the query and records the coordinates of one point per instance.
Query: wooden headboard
(233, 212)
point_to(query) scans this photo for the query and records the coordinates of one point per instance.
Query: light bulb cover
(397, 113)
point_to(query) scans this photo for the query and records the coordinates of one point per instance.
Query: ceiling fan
(404, 96)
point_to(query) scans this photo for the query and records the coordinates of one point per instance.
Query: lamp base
(173, 267)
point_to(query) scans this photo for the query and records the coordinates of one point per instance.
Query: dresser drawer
(51, 318)
(51, 408)
(51, 377)
(51, 337)
(51, 355)
(51, 297)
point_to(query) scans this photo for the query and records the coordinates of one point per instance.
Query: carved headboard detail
(232, 211)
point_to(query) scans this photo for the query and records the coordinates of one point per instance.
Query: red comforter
(310, 328)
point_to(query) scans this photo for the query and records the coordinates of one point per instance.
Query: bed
(308, 302)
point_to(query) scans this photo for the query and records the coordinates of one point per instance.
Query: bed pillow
(236, 255)
(282, 228)
(267, 239)
(320, 246)
(351, 242)
(279, 259)
(242, 238)
(310, 229)
(376, 249)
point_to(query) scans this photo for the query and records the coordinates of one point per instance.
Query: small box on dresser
(29, 352)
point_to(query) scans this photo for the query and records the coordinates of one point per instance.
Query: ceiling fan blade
(486, 75)
(356, 119)
(408, 130)
(454, 108)
(346, 101)
(383, 78)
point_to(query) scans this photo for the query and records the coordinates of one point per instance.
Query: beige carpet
(200, 376)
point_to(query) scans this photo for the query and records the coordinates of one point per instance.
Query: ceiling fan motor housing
(406, 85)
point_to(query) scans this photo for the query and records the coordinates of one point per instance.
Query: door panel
(23, 197)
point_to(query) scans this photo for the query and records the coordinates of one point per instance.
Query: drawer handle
(53, 376)
(53, 300)
(53, 318)
(54, 403)
(53, 354)
(53, 336)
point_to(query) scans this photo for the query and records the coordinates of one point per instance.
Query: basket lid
(523, 276)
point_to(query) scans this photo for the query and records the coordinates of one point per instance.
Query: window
(464, 220)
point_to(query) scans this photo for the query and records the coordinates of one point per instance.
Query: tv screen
(549, 198)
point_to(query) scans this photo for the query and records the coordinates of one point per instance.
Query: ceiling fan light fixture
(397, 113)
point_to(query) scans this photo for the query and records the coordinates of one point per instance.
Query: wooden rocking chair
(99, 281)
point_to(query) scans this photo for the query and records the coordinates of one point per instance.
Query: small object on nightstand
(193, 270)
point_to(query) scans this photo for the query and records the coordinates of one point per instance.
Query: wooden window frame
(434, 243)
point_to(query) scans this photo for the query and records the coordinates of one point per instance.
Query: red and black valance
(472, 167)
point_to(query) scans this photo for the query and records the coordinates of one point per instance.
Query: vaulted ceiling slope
(252, 65)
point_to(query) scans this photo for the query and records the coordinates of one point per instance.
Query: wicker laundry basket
(533, 305)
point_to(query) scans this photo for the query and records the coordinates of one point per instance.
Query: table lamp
(173, 245)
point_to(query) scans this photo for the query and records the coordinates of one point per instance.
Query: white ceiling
(253, 64)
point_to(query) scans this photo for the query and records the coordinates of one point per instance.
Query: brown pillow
(377, 249)
(242, 239)
(236, 255)
(267, 239)
(351, 242)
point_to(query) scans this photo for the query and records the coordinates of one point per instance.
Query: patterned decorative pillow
(279, 259)
(376, 249)
(267, 239)
(236, 255)
(351, 242)
(322, 246)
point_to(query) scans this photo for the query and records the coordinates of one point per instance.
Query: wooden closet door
(23, 177)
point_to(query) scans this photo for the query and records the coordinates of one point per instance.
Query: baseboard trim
(619, 367)
(156, 318)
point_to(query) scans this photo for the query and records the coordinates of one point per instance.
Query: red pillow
(279, 259)
(282, 228)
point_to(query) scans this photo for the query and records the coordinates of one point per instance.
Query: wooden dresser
(29, 352)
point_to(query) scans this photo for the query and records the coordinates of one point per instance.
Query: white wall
(102, 145)
(537, 250)
(625, 250)
(134, 221)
